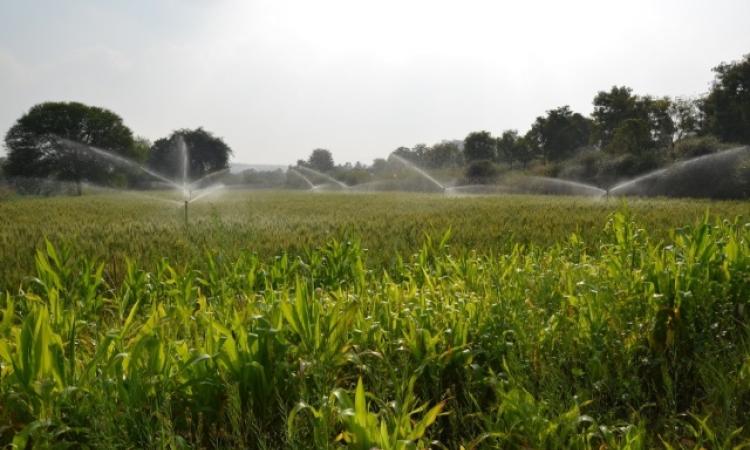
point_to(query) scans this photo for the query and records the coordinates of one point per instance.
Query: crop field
(390, 321)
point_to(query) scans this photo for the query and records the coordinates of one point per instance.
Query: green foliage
(631, 341)
(558, 134)
(727, 106)
(686, 116)
(206, 153)
(35, 149)
(624, 122)
(481, 171)
(141, 149)
(692, 147)
(479, 146)
(443, 154)
(632, 136)
(513, 148)
(268, 222)
(321, 160)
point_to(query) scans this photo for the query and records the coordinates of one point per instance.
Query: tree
(686, 116)
(631, 137)
(321, 160)
(206, 153)
(420, 152)
(727, 105)
(409, 155)
(36, 147)
(480, 145)
(508, 147)
(379, 165)
(611, 109)
(141, 148)
(524, 153)
(661, 126)
(443, 154)
(558, 134)
(614, 108)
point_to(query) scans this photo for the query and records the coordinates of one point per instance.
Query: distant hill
(240, 167)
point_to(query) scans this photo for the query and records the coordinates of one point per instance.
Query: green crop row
(114, 227)
(615, 339)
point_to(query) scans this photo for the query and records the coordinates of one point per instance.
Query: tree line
(67, 141)
(626, 134)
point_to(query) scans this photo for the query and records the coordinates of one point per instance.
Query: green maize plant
(634, 335)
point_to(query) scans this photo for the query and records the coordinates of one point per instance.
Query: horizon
(279, 79)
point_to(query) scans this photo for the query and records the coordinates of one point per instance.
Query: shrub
(482, 172)
(695, 146)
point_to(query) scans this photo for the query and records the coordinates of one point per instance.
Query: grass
(282, 320)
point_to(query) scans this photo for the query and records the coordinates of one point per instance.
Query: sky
(276, 79)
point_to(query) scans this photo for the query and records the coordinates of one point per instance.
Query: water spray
(418, 171)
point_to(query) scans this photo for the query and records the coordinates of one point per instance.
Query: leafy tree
(379, 165)
(443, 154)
(686, 116)
(141, 148)
(409, 155)
(558, 134)
(35, 147)
(321, 160)
(633, 136)
(523, 151)
(661, 124)
(420, 152)
(727, 106)
(506, 144)
(611, 109)
(513, 148)
(614, 108)
(480, 145)
(206, 154)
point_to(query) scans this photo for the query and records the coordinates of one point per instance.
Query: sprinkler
(187, 194)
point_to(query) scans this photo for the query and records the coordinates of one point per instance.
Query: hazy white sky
(278, 78)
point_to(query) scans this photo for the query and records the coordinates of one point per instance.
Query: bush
(481, 172)
(629, 165)
(695, 146)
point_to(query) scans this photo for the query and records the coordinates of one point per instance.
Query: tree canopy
(36, 146)
(559, 133)
(206, 154)
(619, 113)
(480, 145)
(513, 148)
(727, 106)
(443, 154)
(321, 160)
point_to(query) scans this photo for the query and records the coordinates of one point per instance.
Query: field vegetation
(295, 320)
